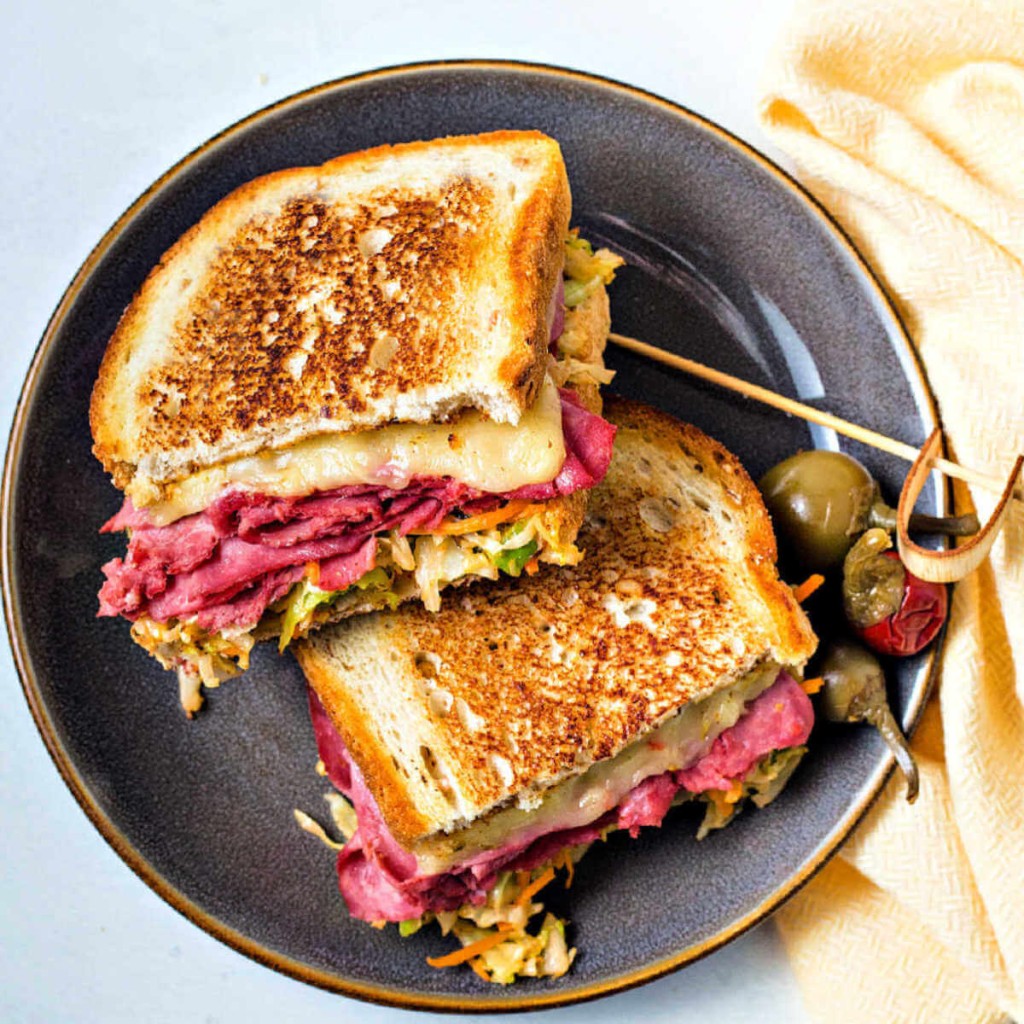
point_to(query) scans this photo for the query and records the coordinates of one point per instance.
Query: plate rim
(506, 1001)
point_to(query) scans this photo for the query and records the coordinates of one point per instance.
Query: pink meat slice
(237, 565)
(588, 451)
(647, 803)
(220, 564)
(248, 605)
(380, 882)
(342, 571)
(784, 719)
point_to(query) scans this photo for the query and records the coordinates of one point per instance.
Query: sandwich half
(349, 386)
(486, 744)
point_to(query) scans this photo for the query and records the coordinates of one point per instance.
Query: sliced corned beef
(220, 564)
(128, 517)
(235, 566)
(784, 719)
(247, 606)
(647, 803)
(342, 571)
(244, 609)
(380, 882)
(588, 451)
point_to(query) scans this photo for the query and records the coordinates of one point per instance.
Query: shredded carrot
(478, 967)
(487, 520)
(532, 567)
(474, 949)
(569, 867)
(717, 797)
(522, 879)
(812, 685)
(808, 587)
(734, 792)
(535, 887)
(313, 573)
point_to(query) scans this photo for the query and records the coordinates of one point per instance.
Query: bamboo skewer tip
(793, 407)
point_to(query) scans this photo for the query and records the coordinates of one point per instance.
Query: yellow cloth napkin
(906, 119)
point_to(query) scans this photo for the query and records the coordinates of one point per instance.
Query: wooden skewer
(807, 412)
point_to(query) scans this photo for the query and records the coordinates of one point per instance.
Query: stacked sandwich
(350, 386)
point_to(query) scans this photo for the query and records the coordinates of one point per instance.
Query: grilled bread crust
(511, 688)
(403, 283)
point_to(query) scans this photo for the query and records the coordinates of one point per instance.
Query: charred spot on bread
(340, 298)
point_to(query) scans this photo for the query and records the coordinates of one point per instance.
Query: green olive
(854, 691)
(819, 501)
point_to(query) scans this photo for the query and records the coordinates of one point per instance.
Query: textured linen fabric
(906, 119)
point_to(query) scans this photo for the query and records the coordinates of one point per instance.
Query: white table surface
(98, 100)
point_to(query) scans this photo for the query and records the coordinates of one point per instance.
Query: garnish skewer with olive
(821, 501)
(828, 514)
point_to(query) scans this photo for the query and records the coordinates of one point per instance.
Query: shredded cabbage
(511, 560)
(762, 784)
(299, 605)
(400, 550)
(571, 370)
(441, 560)
(343, 814)
(314, 828)
(586, 270)
(509, 909)
(209, 658)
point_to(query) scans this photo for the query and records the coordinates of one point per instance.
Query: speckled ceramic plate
(730, 262)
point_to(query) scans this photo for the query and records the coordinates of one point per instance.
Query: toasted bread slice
(469, 718)
(403, 283)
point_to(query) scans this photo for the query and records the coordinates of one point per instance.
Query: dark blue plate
(730, 262)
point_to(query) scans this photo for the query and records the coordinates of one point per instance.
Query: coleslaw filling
(500, 938)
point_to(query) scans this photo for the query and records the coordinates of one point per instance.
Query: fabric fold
(906, 120)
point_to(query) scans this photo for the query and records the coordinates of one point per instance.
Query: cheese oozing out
(583, 798)
(492, 457)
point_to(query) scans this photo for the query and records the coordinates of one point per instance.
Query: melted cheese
(493, 457)
(583, 798)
